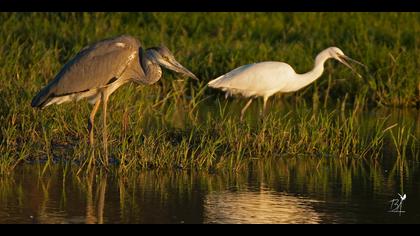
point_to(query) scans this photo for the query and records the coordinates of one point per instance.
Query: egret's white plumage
(264, 79)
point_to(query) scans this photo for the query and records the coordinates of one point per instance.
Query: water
(293, 190)
(302, 189)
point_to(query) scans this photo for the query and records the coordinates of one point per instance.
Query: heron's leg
(92, 120)
(104, 97)
(245, 107)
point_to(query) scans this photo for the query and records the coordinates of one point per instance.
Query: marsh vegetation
(179, 123)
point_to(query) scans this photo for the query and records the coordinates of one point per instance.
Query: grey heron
(98, 70)
(264, 79)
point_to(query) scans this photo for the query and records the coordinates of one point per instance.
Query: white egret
(264, 79)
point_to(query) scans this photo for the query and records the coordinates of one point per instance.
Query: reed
(179, 123)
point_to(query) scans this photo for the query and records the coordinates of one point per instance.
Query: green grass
(183, 123)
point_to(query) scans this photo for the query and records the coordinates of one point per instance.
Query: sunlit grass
(183, 124)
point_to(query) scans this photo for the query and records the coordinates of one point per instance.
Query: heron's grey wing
(91, 68)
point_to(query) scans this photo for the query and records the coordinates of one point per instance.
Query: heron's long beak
(176, 66)
(343, 59)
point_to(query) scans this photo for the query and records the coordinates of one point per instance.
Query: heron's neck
(151, 69)
(307, 78)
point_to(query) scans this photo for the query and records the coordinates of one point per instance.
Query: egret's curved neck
(151, 68)
(305, 79)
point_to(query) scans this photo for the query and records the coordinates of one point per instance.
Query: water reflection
(282, 190)
(264, 206)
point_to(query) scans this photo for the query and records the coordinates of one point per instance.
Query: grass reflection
(276, 190)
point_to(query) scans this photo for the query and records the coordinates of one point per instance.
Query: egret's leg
(104, 97)
(245, 107)
(92, 120)
(265, 106)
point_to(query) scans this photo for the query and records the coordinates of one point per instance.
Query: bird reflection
(95, 204)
